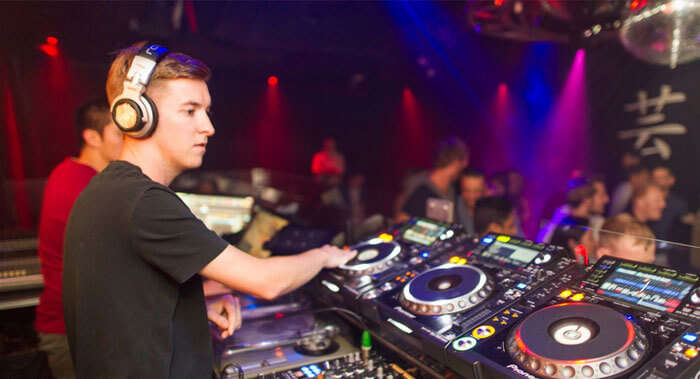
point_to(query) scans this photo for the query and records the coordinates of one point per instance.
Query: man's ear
(92, 138)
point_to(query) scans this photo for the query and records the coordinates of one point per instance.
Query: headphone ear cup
(151, 126)
(127, 115)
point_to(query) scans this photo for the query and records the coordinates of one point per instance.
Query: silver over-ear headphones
(132, 111)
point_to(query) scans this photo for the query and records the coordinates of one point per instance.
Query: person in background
(630, 158)
(328, 165)
(494, 214)
(511, 185)
(498, 184)
(580, 193)
(637, 178)
(516, 189)
(676, 217)
(472, 188)
(647, 204)
(451, 158)
(600, 201)
(100, 142)
(695, 239)
(624, 237)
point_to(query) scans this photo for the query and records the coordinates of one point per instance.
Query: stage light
(637, 4)
(502, 89)
(50, 50)
(272, 80)
(52, 40)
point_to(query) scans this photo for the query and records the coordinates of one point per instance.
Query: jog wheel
(577, 340)
(446, 289)
(372, 257)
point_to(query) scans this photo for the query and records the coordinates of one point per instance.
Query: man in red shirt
(328, 165)
(100, 142)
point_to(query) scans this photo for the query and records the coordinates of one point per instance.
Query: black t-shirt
(569, 228)
(416, 203)
(670, 227)
(133, 302)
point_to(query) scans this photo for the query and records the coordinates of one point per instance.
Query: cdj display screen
(509, 255)
(222, 214)
(648, 290)
(423, 232)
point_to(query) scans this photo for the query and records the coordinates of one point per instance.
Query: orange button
(462, 261)
(577, 297)
(564, 294)
(454, 260)
(691, 353)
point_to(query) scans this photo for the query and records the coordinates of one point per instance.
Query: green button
(646, 269)
(668, 273)
(628, 265)
(689, 277)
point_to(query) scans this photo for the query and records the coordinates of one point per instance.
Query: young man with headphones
(100, 142)
(135, 254)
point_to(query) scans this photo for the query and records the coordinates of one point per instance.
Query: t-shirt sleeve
(168, 236)
(415, 204)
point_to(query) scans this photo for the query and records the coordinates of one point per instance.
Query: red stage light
(52, 41)
(50, 50)
(272, 80)
(502, 89)
(637, 4)
(498, 3)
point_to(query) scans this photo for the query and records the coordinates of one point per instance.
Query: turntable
(374, 256)
(448, 288)
(624, 319)
(432, 304)
(385, 255)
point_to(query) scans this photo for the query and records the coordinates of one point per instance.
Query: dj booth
(440, 303)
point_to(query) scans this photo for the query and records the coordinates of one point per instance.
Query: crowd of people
(639, 222)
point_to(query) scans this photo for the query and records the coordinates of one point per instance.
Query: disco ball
(664, 32)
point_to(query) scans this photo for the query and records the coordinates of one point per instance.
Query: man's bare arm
(271, 277)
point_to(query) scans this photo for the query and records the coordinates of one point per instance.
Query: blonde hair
(617, 226)
(173, 66)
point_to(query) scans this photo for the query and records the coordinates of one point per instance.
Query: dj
(135, 254)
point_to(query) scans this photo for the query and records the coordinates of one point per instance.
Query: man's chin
(192, 164)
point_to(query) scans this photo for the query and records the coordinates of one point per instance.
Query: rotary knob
(695, 297)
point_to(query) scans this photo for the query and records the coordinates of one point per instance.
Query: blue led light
(315, 369)
(487, 240)
(424, 254)
(521, 286)
(629, 317)
(690, 338)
